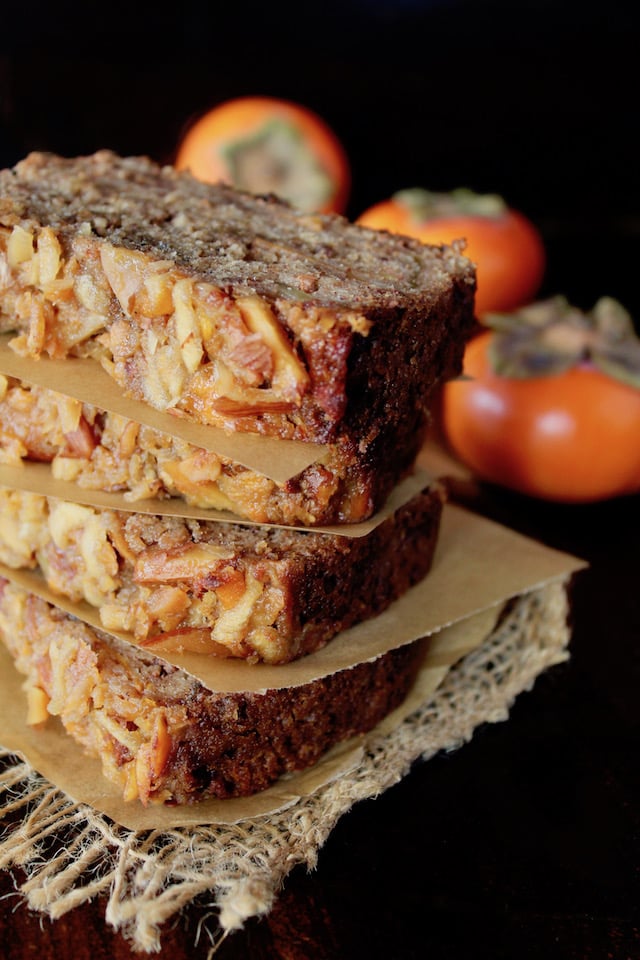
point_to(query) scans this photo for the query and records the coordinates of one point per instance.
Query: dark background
(534, 99)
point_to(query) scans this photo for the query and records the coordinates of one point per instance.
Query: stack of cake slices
(211, 408)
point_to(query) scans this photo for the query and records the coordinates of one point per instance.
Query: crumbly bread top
(234, 240)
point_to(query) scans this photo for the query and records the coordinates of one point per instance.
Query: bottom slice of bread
(161, 735)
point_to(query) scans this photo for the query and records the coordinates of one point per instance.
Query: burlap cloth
(70, 853)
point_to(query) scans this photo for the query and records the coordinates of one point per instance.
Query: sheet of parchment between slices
(33, 477)
(85, 380)
(478, 564)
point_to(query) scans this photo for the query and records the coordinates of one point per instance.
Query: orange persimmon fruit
(269, 146)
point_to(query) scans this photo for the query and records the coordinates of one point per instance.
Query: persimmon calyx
(429, 205)
(551, 336)
(276, 160)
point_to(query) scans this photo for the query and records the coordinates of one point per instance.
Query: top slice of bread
(230, 308)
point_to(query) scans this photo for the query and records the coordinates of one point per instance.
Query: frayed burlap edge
(71, 854)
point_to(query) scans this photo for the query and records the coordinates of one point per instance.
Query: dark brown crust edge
(363, 576)
(242, 743)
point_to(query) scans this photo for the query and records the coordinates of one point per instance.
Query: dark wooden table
(523, 844)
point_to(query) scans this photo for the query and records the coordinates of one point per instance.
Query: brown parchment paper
(37, 478)
(477, 564)
(56, 756)
(87, 381)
